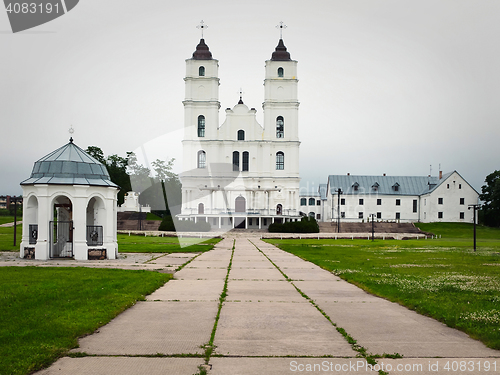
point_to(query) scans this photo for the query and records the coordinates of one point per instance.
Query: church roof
(280, 53)
(69, 165)
(202, 52)
(384, 185)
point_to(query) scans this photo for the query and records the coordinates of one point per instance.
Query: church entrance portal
(240, 204)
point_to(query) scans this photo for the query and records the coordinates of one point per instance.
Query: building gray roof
(322, 191)
(69, 165)
(385, 185)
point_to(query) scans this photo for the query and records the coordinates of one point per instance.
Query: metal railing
(94, 235)
(33, 228)
(219, 211)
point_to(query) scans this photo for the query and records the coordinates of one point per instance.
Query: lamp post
(475, 207)
(373, 226)
(15, 200)
(338, 191)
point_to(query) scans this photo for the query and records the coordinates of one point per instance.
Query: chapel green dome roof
(69, 165)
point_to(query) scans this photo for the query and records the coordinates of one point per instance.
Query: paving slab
(286, 366)
(277, 329)
(255, 274)
(264, 263)
(334, 290)
(309, 274)
(208, 264)
(224, 255)
(201, 274)
(385, 327)
(123, 366)
(262, 291)
(189, 290)
(169, 261)
(155, 327)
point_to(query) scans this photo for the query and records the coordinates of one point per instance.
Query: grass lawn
(441, 278)
(44, 310)
(126, 243)
(9, 219)
(151, 216)
(7, 238)
(142, 244)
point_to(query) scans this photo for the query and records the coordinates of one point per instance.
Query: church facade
(240, 173)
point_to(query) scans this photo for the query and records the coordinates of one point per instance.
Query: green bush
(171, 224)
(10, 212)
(306, 225)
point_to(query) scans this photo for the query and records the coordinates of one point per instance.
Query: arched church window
(202, 159)
(201, 126)
(201, 71)
(280, 127)
(241, 135)
(246, 157)
(201, 208)
(312, 201)
(280, 72)
(280, 160)
(236, 161)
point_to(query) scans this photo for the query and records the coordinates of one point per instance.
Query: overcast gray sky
(386, 86)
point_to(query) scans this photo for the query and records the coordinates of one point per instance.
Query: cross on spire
(241, 96)
(281, 26)
(201, 26)
(71, 131)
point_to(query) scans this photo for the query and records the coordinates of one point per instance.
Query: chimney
(440, 175)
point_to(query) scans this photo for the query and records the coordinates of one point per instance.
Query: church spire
(202, 52)
(280, 53)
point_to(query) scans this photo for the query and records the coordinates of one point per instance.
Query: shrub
(173, 224)
(306, 225)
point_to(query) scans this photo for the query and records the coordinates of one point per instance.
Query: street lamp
(475, 207)
(15, 200)
(338, 191)
(373, 226)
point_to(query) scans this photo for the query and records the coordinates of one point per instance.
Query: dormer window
(355, 186)
(281, 72)
(395, 187)
(375, 186)
(201, 71)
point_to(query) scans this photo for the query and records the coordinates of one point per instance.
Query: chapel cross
(71, 131)
(281, 26)
(201, 26)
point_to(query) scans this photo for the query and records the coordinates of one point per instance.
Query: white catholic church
(240, 173)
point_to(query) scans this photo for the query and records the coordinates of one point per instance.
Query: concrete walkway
(282, 315)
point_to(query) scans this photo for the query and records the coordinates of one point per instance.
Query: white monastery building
(240, 173)
(244, 174)
(392, 198)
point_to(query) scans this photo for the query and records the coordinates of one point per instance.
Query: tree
(490, 210)
(129, 175)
